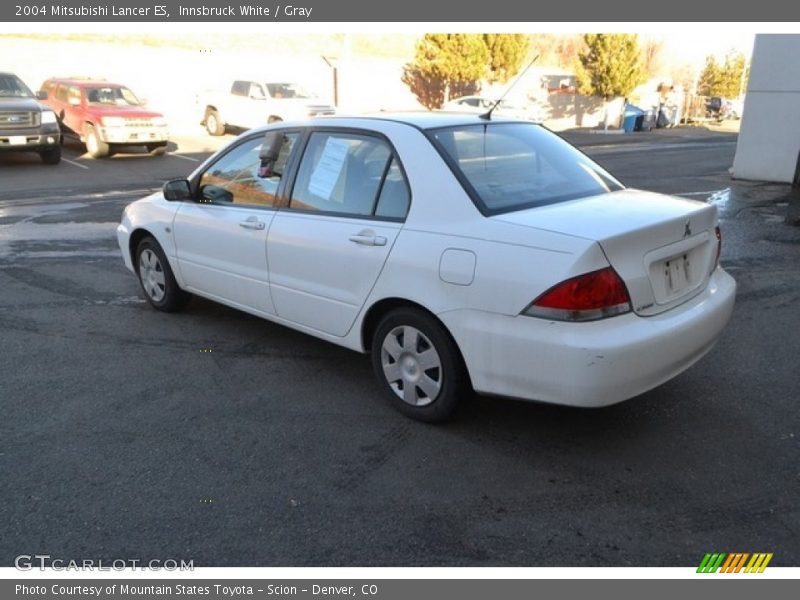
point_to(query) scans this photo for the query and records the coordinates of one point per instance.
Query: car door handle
(368, 239)
(252, 223)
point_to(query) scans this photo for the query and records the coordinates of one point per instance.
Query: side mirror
(41, 95)
(177, 189)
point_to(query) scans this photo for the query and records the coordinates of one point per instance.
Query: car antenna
(487, 116)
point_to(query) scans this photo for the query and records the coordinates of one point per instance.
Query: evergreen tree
(726, 80)
(610, 65)
(506, 53)
(446, 65)
(708, 83)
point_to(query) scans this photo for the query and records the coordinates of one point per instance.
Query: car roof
(84, 81)
(419, 119)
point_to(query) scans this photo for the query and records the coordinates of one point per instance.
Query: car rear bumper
(590, 364)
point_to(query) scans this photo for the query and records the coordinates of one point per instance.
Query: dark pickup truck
(25, 125)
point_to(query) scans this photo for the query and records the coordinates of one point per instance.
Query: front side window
(239, 176)
(62, 92)
(350, 174)
(512, 166)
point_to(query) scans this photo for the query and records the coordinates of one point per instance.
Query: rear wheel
(96, 147)
(156, 278)
(51, 156)
(214, 126)
(418, 365)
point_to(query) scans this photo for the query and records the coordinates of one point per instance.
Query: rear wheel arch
(376, 313)
(424, 379)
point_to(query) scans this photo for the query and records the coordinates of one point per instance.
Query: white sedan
(460, 253)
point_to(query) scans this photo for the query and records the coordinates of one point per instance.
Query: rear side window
(74, 95)
(350, 174)
(512, 166)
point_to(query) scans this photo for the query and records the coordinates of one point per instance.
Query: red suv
(105, 116)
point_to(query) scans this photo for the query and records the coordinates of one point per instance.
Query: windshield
(111, 95)
(11, 86)
(511, 166)
(288, 90)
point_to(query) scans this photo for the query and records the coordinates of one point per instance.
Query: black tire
(156, 278)
(51, 156)
(422, 386)
(214, 126)
(96, 147)
(157, 149)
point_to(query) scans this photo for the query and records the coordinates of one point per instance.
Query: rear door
(328, 247)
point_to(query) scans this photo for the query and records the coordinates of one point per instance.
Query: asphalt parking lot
(216, 437)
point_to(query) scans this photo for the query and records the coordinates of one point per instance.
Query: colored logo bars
(734, 563)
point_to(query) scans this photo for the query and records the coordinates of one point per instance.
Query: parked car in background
(506, 107)
(252, 102)
(722, 108)
(459, 252)
(105, 116)
(26, 125)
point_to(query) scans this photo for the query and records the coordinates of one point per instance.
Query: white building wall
(769, 139)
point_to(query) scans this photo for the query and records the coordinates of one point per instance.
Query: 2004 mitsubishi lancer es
(459, 251)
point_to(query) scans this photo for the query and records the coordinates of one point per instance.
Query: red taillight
(718, 233)
(588, 297)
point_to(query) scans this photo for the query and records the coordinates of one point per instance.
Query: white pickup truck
(252, 103)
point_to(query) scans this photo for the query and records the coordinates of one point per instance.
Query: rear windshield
(511, 166)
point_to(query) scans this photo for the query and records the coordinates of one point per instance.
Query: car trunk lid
(663, 247)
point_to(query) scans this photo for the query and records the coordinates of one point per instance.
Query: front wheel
(156, 278)
(97, 148)
(418, 365)
(214, 125)
(51, 156)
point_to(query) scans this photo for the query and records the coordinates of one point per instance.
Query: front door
(221, 238)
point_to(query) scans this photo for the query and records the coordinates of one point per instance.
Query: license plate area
(678, 269)
(676, 274)
(17, 140)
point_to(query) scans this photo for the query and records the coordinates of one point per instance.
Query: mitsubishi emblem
(687, 230)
